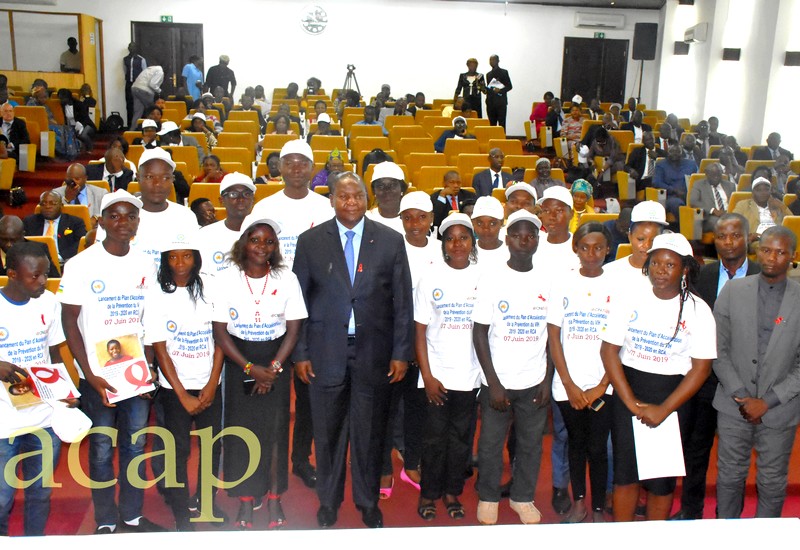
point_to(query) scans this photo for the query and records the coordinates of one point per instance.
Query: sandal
(244, 519)
(427, 510)
(386, 492)
(277, 519)
(455, 509)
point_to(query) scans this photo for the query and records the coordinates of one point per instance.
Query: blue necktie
(496, 183)
(349, 255)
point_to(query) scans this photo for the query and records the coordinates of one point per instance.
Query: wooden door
(594, 68)
(168, 45)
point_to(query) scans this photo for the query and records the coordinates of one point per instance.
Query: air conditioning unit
(599, 20)
(696, 34)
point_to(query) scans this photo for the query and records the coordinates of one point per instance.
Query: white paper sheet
(659, 452)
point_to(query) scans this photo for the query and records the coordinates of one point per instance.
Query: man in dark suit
(758, 366)
(113, 170)
(704, 139)
(498, 84)
(636, 125)
(450, 198)
(641, 164)
(67, 229)
(12, 232)
(712, 195)
(730, 239)
(357, 340)
(15, 130)
(773, 149)
(493, 177)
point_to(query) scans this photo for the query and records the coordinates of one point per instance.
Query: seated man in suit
(712, 195)
(690, 149)
(705, 140)
(76, 115)
(762, 202)
(671, 175)
(170, 134)
(493, 177)
(677, 129)
(608, 123)
(14, 129)
(12, 231)
(246, 103)
(67, 230)
(642, 163)
(75, 190)
(459, 131)
(451, 198)
(664, 133)
(758, 342)
(555, 117)
(149, 137)
(637, 127)
(773, 149)
(113, 170)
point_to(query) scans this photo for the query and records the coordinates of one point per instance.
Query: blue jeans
(128, 417)
(37, 497)
(559, 452)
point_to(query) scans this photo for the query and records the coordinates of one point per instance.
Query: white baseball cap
(182, 240)
(120, 195)
(149, 123)
(387, 169)
(156, 153)
(236, 178)
(168, 127)
(672, 241)
(456, 218)
(488, 206)
(649, 211)
(523, 215)
(558, 193)
(199, 115)
(419, 200)
(521, 186)
(461, 118)
(297, 147)
(324, 117)
(761, 180)
(254, 219)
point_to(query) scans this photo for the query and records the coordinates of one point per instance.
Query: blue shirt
(724, 278)
(673, 178)
(359, 232)
(192, 75)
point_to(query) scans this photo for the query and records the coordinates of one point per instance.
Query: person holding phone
(581, 386)
(257, 318)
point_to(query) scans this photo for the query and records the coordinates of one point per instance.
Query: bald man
(11, 232)
(75, 190)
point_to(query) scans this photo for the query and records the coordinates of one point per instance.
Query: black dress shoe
(561, 501)
(307, 473)
(327, 516)
(683, 515)
(371, 516)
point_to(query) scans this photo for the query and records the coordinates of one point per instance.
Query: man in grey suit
(493, 177)
(712, 195)
(75, 191)
(758, 366)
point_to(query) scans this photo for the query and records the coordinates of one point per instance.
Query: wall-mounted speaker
(681, 48)
(731, 54)
(792, 59)
(645, 36)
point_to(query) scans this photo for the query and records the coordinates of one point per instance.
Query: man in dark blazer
(636, 123)
(758, 366)
(496, 96)
(443, 199)
(113, 170)
(641, 164)
(712, 195)
(15, 130)
(67, 229)
(493, 177)
(357, 340)
(730, 239)
(773, 149)
(11, 232)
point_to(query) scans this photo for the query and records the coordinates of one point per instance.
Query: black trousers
(496, 111)
(701, 427)
(303, 431)
(128, 103)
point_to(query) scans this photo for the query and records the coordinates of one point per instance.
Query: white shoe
(487, 512)
(528, 513)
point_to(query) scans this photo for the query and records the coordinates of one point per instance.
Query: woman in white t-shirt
(580, 305)
(258, 310)
(177, 321)
(657, 350)
(449, 368)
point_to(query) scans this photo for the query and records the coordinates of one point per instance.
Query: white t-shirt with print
(294, 216)
(185, 326)
(26, 333)
(422, 258)
(644, 326)
(259, 315)
(444, 300)
(580, 306)
(514, 305)
(492, 259)
(559, 258)
(110, 290)
(626, 279)
(395, 223)
(216, 241)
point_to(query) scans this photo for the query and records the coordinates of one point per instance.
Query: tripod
(351, 79)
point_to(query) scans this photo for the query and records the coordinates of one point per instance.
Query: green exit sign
(168, 19)
(596, 35)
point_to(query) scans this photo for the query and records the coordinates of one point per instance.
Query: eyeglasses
(234, 195)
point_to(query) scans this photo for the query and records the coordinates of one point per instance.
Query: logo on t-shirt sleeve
(218, 257)
(438, 294)
(98, 286)
(233, 314)
(172, 326)
(503, 306)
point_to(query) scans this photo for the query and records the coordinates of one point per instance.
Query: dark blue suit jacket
(380, 298)
(482, 182)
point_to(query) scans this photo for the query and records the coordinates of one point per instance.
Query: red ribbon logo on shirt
(143, 372)
(779, 320)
